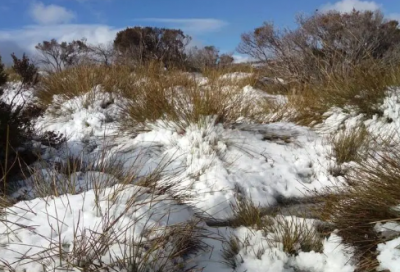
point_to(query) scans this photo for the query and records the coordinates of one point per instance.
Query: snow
(380, 127)
(389, 255)
(17, 94)
(41, 226)
(81, 116)
(256, 254)
(201, 169)
(389, 252)
(214, 160)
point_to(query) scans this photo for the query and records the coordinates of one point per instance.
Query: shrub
(25, 69)
(145, 44)
(323, 43)
(208, 57)
(200, 59)
(15, 131)
(55, 56)
(225, 60)
(3, 74)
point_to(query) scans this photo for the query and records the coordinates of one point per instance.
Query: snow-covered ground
(199, 171)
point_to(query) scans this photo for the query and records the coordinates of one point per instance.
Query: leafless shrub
(55, 56)
(323, 43)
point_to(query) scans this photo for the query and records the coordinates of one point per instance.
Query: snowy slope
(203, 168)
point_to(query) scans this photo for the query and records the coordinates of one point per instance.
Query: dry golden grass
(370, 198)
(351, 145)
(183, 98)
(81, 79)
(362, 90)
(12, 75)
(152, 93)
(294, 234)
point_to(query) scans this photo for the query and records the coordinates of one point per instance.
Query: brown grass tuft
(371, 198)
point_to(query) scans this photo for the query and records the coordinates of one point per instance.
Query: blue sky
(24, 23)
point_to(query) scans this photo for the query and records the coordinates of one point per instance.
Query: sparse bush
(55, 56)
(323, 43)
(102, 54)
(25, 69)
(3, 74)
(225, 60)
(200, 59)
(208, 57)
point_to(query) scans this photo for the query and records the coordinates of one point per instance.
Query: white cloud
(51, 14)
(29, 36)
(349, 5)
(194, 26)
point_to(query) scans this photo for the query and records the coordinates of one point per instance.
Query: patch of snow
(236, 75)
(257, 254)
(214, 160)
(17, 94)
(92, 114)
(35, 231)
(389, 255)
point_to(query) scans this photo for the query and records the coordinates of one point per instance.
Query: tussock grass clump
(180, 97)
(290, 234)
(151, 93)
(79, 80)
(351, 145)
(230, 252)
(293, 234)
(371, 198)
(246, 213)
(363, 90)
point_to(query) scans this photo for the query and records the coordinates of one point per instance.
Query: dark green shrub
(25, 69)
(3, 75)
